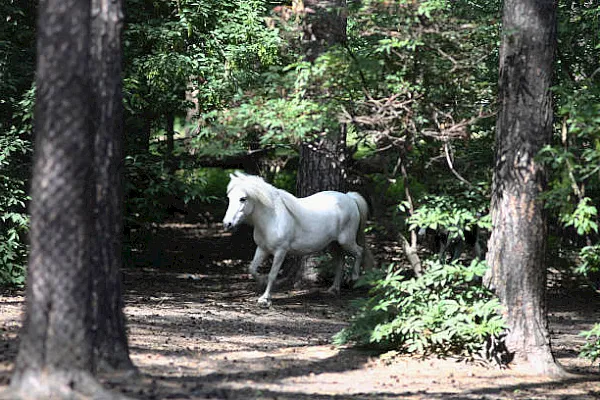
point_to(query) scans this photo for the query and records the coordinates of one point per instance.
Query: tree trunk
(322, 163)
(56, 353)
(111, 348)
(56, 342)
(518, 242)
(192, 113)
(324, 26)
(170, 150)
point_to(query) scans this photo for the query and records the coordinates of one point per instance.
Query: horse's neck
(292, 205)
(284, 206)
(263, 215)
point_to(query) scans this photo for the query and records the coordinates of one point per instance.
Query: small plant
(15, 153)
(591, 350)
(151, 189)
(451, 214)
(446, 311)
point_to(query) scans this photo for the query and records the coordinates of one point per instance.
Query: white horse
(284, 224)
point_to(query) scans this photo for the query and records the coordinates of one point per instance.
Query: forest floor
(196, 332)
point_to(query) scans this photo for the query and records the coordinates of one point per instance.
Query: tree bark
(518, 241)
(324, 26)
(111, 347)
(322, 161)
(56, 353)
(56, 342)
(322, 164)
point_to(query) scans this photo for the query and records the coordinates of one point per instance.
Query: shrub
(591, 350)
(446, 311)
(152, 190)
(15, 153)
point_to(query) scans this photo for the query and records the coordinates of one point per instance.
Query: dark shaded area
(8, 332)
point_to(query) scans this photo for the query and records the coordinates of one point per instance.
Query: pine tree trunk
(322, 164)
(517, 246)
(56, 342)
(56, 353)
(322, 161)
(111, 348)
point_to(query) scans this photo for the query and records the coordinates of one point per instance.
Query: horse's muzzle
(230, 226)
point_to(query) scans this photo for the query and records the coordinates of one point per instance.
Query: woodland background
(212, 86)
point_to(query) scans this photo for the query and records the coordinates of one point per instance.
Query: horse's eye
(243, 199)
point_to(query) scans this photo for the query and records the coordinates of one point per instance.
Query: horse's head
(240, 206)
(245, 193)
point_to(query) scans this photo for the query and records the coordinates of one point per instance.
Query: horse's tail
(363, 209)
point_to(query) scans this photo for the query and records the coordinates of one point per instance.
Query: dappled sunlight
(197, 332)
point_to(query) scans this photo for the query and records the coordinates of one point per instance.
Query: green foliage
(152, 189)
(454, 215)
(212, 46)
(589, 260)
(14, 221)
(285, 181)
(591, 350)
(574, 158)
(445, 311)
(17, 56)
(15, 150)
(583, 218)
(279, 110)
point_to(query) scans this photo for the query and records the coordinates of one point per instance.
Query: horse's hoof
(264, 303)
(333, 291)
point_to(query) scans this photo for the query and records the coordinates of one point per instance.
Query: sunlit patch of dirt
(196, 332)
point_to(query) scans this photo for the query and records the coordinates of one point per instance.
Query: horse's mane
(267, 194)
(255, 187)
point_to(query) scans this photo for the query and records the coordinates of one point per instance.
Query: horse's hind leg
(338, 261)
(357, 252)
(278, 258)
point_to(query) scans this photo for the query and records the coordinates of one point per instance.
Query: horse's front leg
(259, 257)
(278, 257)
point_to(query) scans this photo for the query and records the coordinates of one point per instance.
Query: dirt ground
(196, 332)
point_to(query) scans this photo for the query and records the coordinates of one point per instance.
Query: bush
(15, 157)
(14, 223)
(591, 350)
(153, 191)
(446, 311)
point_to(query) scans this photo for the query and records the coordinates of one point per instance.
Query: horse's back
(320, 219)
(328, 203)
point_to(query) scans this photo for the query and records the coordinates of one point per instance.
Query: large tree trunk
(56, 342)
(322, 161)
(517, 246)
(322, 164)
(324, 26)
(56, 353)
(112, 351)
